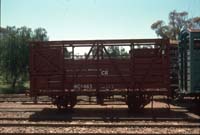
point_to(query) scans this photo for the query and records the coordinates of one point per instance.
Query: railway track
(111, 128)
(108, 125)
(97, 128)
(37, 109)
(103, 119)
(52, 114)
(91, 134)
(42, 116)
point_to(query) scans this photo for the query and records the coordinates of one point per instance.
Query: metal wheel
(137, 102)
(73, 100)
(61, 102)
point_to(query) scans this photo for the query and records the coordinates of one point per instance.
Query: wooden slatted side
(46, 69)
(149, 68)
(101, 72)
(46, 60)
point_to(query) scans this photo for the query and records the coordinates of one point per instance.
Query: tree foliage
(177, 22)
(14, 55)
(115, 51)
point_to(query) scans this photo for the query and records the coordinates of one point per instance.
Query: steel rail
(92, 134)
(45, 106)
(68, 118)
(110, 125)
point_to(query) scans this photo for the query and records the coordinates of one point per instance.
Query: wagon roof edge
(98, 40)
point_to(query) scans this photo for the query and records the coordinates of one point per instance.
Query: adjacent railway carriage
(189, 62)
(58, 71)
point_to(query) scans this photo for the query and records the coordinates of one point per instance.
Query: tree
(115, 51)
(177, 22)
(123, 52)
(40, 34)
(14, 57)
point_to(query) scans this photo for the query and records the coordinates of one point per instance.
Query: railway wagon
(189, 62)
(59, 71)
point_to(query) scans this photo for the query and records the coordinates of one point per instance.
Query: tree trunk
(14, 82)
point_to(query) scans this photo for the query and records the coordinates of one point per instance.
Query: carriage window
(197, 44)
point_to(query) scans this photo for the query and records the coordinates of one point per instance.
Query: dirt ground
(109, 114)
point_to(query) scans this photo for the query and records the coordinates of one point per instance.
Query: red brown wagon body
(64, 75)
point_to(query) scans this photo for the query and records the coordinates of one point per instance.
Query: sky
(93, 19)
